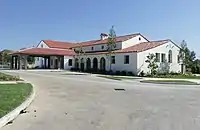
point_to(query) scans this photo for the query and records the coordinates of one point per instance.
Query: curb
(13, 114)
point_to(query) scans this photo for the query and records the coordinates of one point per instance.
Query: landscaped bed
(6, 77)
(182, 82)
(12, 95)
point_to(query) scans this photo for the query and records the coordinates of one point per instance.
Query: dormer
(103, 36)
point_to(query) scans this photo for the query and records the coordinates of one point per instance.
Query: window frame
(112, 59)
(163, 59)
(126, 60)
(158, 58)
(70, 63)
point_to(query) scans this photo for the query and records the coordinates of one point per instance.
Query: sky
(24, 23)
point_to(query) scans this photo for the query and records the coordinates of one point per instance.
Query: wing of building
(129, 54)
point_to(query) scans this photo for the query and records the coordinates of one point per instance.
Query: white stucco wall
(174, 66)
(119, 62)
(39, 60)
(133, 41)
(99, 47)
(66, 62)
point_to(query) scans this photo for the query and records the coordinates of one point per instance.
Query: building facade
(129, 54)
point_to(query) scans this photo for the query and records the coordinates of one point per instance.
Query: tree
(5, 56)
(186, 56)
(151, 60)
(79, 52)
(111, 44)
(30, 59)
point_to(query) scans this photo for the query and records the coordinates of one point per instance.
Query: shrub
(142, 74)
(123, 73)
(130, 73)
(117, 73)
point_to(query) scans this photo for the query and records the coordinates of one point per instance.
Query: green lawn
(6, 77)
(118, 77)
(184, 82)
(12, 95)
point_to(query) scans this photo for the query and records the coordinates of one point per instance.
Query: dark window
(126, 59)
(178, 58)
(70, 62)
(102, 47)
(92, 48)
(139, 38)
(163, 57)
(42, 46)
(157, 57)
(170, 56)
(112, 59)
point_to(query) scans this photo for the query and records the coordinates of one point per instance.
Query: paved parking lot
(85, 102)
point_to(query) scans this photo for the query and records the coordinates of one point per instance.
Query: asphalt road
(85, 102)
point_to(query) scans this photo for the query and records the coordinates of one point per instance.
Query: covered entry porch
(44, 57)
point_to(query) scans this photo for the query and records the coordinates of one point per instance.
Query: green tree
(5, 56)
(31, 59)
(111, 44)
(151, 61)
(186, 56)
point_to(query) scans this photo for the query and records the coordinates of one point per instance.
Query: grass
(6, 77)
(183, 82)
(181, 76)
(118, 77)
(12, 95)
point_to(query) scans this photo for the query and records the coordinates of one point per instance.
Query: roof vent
(104, 36)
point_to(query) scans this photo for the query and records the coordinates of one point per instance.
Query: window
(139, 38)
(163, 57)
(92, 48)
(157, 57)
(170, 56)
(112, 59)
(70, 62)
(126, 59)
(41, 45)
(178, 59)
(102, 47)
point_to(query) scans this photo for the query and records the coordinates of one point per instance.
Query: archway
(76, 63)
(82, 64)
(88, 64)
(102, 64)
(95, 64)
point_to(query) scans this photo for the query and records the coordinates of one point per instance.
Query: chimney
(104, 36)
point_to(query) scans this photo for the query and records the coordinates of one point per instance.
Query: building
(130, 53)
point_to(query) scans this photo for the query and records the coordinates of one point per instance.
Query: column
(58, 62)
(25, 62)
(12, 62)
(16, 57)
(19, 62)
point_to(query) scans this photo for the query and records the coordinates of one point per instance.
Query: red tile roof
(58, 44)
(46, 51)
(143, 46)
(137, 48)
(96, 42)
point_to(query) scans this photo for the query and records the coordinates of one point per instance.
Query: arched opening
(170, 56)
(102, 64)
(95, 64)
(82, 64)
(88, 64)
(76, 64)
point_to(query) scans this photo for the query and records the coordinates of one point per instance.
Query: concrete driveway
(85, 102)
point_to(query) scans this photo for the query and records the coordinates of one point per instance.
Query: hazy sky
(23, 23)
